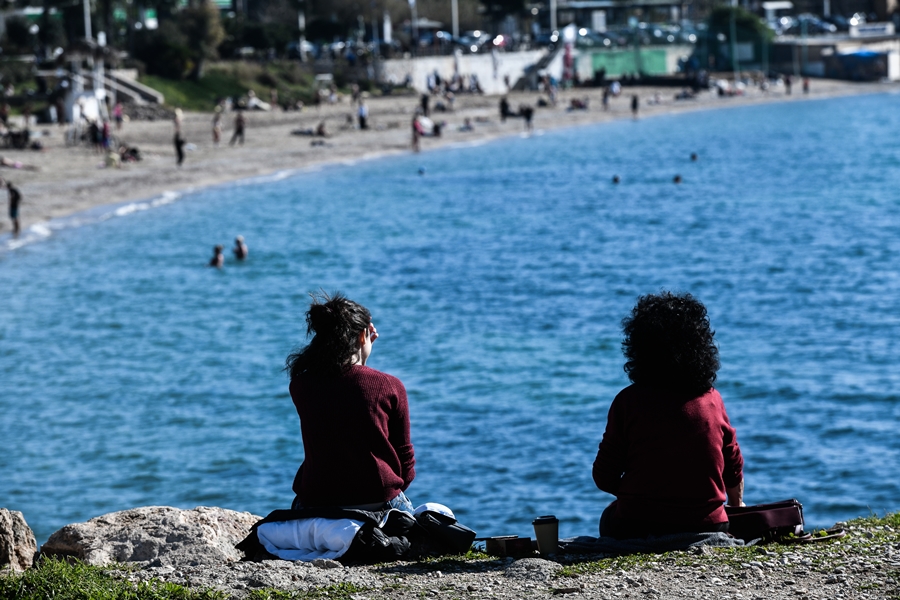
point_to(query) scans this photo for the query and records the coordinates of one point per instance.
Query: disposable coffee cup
(546, 530)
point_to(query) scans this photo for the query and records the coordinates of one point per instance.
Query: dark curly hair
(335, 323)
(669, 344)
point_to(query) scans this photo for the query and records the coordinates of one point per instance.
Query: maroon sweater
(355, 438)
(668, 460)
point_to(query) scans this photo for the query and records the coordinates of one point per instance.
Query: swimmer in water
(218, 259)
(240, 248)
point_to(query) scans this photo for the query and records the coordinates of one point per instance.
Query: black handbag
(775, 521)
(446, 532)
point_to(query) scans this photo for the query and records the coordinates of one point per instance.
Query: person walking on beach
(179, 148)
(217, 126)
(635, 105)
(15, 198)
(118, 115)
(240, 248)
(218, 259)
(239, 123)
(504, 109)
(527, 113)
(416, 132)
(606, 98)
(179, 117)
(363, 114)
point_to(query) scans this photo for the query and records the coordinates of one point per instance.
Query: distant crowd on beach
(103, 127)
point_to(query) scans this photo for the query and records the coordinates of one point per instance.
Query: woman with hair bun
(669, 453)
(354, 419)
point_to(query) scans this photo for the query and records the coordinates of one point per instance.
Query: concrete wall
(490, 69)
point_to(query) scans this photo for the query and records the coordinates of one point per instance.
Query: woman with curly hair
(669, 453)
(354, 419)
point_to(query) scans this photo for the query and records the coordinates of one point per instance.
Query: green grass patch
(290, 79)
(60, 580)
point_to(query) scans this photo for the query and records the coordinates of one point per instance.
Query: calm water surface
(132, 375)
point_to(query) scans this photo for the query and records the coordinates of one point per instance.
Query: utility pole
(454, 9)
(87, 19)
(803, 26)
(301, 25)
(415, 28)
(734, 60)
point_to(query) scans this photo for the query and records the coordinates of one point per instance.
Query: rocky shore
(194, 549)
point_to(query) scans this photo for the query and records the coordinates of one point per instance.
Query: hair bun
(321, 317)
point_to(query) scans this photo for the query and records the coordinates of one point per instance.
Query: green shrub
(60, 580)
(164, 51)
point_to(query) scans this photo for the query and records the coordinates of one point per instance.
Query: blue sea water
(132, 375)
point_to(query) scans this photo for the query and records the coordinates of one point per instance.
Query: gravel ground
(865, 564)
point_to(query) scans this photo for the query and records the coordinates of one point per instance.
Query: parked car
(311, 50)
(812, 24)
(547, 39)
(587, 38)
(474, 41)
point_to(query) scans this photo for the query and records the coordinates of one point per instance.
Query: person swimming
(218, 259)
(240, 248)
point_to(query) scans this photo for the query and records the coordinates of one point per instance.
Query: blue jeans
(400, 502)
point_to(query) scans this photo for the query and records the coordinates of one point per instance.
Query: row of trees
(189, 35)
(192, 31)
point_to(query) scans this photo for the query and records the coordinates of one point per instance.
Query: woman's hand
(736, 494)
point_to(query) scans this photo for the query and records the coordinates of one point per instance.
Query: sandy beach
(72, 179)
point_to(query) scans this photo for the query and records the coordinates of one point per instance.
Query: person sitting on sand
(354, 420)
(15, 164)
(218, 259)
(669, 453)
(240, 248)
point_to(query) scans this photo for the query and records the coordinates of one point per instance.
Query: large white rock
(156, 536)
(17, 543)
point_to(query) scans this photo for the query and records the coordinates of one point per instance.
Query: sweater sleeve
(400, 438)
(733, 473)
(610, 462)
